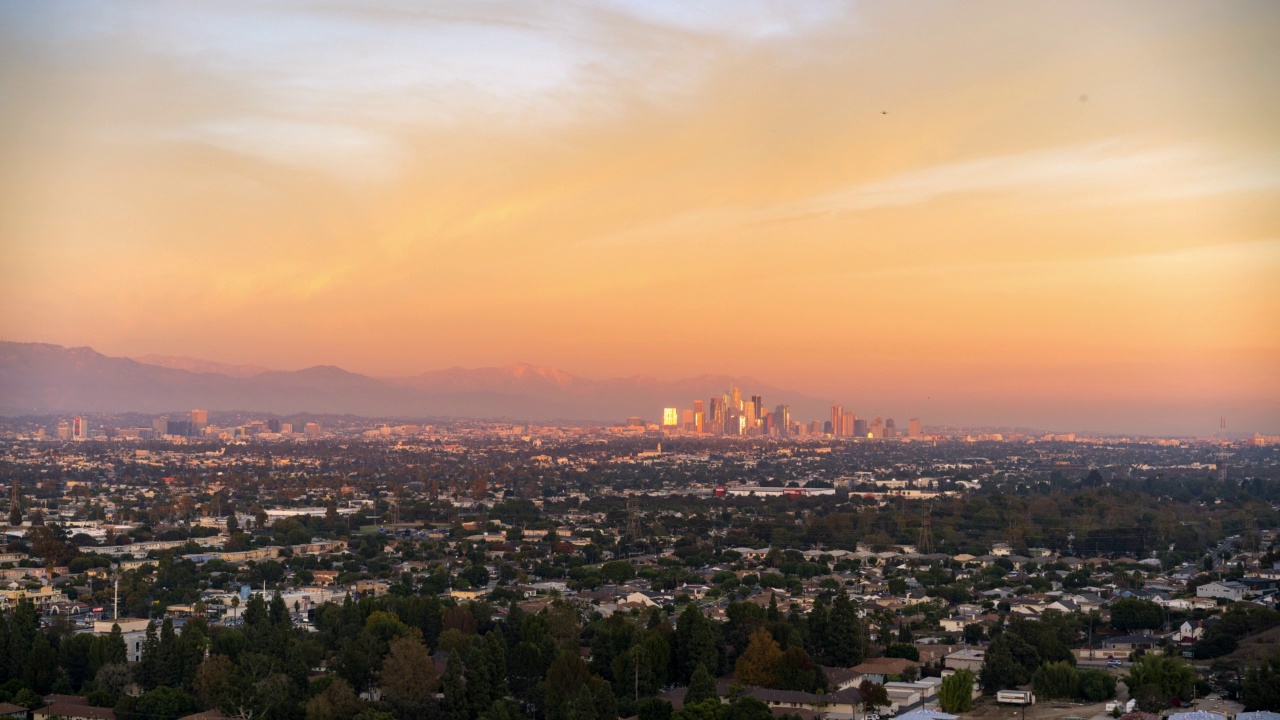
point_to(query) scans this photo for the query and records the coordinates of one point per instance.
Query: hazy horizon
(1051, 215)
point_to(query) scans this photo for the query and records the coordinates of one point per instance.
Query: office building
(913, 428)
(847, 425)
(670, 418)
(79, 428)
(199, 419)
(782, 418)
(64, 430)
(836, 426)
(890, 430)
(860, 428)
(160, 425)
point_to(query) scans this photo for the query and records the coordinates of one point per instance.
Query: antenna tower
(633, 518)
(925, 546)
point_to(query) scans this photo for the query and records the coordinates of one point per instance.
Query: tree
(1056, 681)
(1097, 685)
(1006, 663)
(1156, 679)
(455, 691)
(41, 667)
(846, 635)
(903, 650)
(797, 671)
(566, 676)
(1129, 614)
(696, 643)
(758, 664)
(336, 702)
(583, 706)
(653, 708)
(407, 671)
(873, 695)
(163, 703)
(113, 678)
(1261, 686)
(956, 693)
(617, 571)
(701, 687)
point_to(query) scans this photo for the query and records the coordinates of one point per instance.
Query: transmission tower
(633, 518)
(925, 546)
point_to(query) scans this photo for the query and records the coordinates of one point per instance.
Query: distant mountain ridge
(39, 378)
(205, 366)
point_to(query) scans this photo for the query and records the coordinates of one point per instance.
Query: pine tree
(846, 635)
(116, 651)
(701, 687)
(146, 671)
(277, 613)
(41, 667)
(455, 691)
(478, 679)
(817, 628)
(496, 655)
(583, 706)
(168, 666)
(696, 643)
(606, 704)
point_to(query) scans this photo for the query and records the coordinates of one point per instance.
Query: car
(1113, 662)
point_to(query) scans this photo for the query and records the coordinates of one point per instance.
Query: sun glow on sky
(1056, 214)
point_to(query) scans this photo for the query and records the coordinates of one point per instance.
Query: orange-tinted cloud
(979, 212)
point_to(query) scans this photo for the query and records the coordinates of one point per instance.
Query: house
(880, 669)
(1226, 590)
(1188, 633)
(71, 707)
(966, 659)
(1131, 642)
(16, 711)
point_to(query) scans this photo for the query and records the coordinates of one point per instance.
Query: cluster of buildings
(732, 414)
(168, 427)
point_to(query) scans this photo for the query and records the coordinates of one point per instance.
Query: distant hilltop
(39, 378)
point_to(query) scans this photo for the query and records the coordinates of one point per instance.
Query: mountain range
(38, 379)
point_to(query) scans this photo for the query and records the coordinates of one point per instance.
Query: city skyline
(1053, 215)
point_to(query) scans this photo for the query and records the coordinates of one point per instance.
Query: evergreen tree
(696, 643)
(41, 668)
(455, 691)
(479, 682)
(168, 667)
(255, 612)
(606, 704)
(846, 635)
(496, 655)
(701, 687)
(277, 613)
(583, 706)
(816, 631)
(115, 650)
(147, 669)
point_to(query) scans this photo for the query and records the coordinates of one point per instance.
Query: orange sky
(1060, 213)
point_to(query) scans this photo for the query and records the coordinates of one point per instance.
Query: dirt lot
(1052, 710)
